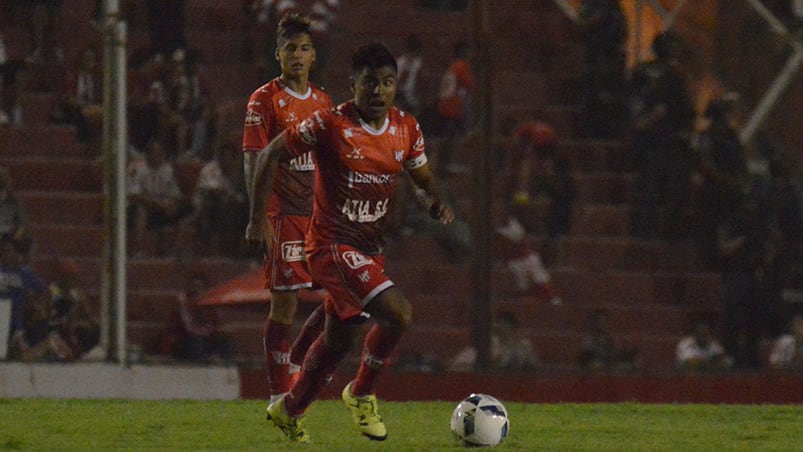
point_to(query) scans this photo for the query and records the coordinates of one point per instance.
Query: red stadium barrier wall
(730, 388)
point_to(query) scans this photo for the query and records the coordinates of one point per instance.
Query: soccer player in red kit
(361, 148)
(274, 106)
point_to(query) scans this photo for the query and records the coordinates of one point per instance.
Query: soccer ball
(480, 420)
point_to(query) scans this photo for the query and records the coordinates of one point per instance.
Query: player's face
(374, 91)
(296, 55)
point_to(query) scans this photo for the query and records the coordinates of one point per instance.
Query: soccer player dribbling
(282, 102)
(360, 148)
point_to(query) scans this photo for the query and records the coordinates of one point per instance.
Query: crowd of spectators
(693, 177)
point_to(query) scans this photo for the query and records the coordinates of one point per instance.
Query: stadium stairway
(650, 289)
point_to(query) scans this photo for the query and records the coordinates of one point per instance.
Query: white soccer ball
(480, 420)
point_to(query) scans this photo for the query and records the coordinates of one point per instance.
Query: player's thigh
(391, 307)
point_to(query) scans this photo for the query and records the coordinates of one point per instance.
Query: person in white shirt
(701, 351)
(787, 350)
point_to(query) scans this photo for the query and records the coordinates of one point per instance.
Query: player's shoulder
(403, 117)
(267, 90)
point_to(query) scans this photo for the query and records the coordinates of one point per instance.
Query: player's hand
(442, 212)
(258, 232)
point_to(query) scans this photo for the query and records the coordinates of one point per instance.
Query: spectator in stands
(150, 114)
(541, 190)
(10, 112)
(13, 222)
(220, 203)
(661, 122)
(746, 252)
(453, 108)
(154, 198)
(192, 332)
(604, 29)
(18, 282)
(80, 101)
(71, 316)
(45, 16)
(510, 349)
(517, 251)
(167, 26)
(787, 350)
(410, 64)
(701, 351)
(600, 351)
(35, 340)
(718, 176)
(190, 98)
(323, 14)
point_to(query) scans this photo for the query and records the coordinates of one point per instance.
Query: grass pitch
(45, 424)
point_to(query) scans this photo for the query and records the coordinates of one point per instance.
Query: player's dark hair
(292, 24)
(373, 56)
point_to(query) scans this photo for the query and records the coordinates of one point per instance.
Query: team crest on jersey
(398, 155)
(293, 251)
(356, 260)
(252, 118)
(305, 132)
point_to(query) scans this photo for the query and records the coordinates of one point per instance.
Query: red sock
(318, 367)
(379, 344)
(277, 355)
(309, 332)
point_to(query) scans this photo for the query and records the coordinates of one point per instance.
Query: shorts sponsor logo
(293, 251)
(356, 260)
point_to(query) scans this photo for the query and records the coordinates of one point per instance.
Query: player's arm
(249, 163)
(267, 161)
(427, 189)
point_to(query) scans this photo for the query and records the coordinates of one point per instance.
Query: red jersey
(272, 108)
(455, 86)
(358, 170)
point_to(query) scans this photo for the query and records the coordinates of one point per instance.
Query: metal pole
(110, 8)
(482, 186)
(121, 145)
(782, 80)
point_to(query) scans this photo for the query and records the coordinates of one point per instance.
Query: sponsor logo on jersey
(292, 118)
(356, 177)
(362, 211)
(303, 162)
(293, 251)
(355, 259)
(252, 118)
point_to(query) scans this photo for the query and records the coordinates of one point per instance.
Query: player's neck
(299, 85)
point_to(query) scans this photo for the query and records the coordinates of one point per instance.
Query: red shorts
(285, 262)
(351, 278)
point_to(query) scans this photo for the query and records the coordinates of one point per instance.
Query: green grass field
(45, 424)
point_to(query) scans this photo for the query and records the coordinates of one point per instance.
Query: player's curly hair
(292, 24)
(374, 55)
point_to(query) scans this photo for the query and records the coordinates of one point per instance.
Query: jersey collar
(373, 131)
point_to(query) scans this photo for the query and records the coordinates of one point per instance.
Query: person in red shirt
(453, 107)
(361, 148)
(272, 107)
